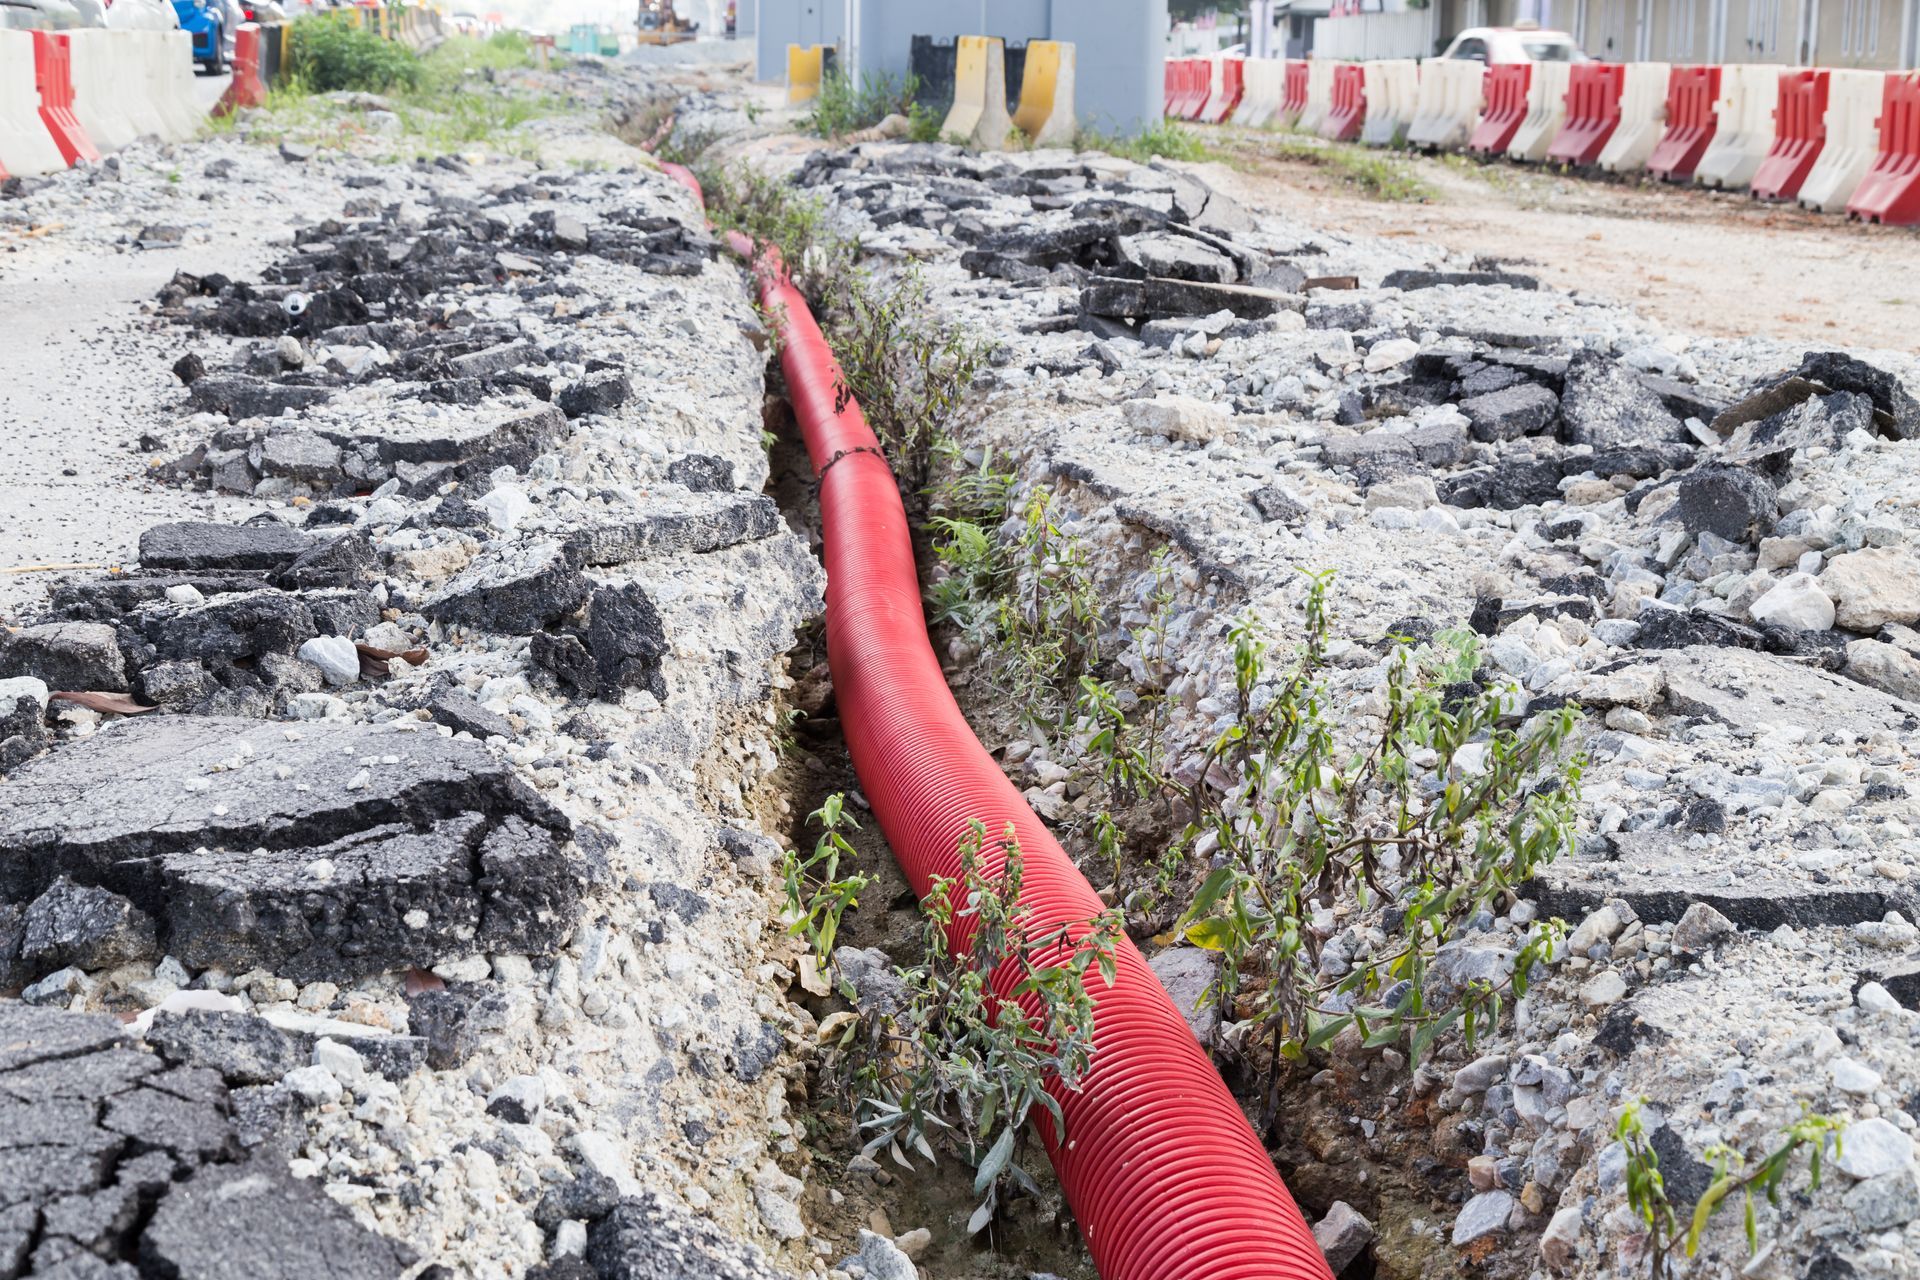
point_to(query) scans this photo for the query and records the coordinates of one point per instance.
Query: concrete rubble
(405, 837)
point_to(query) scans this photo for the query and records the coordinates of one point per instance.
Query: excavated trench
(1029, 1237)
(1348, 1134)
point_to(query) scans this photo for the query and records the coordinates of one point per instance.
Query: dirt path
(1696, 260)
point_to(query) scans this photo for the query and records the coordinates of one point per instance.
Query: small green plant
(908, 370)
(994, 1023)
(817, 894)
(1161, 140)
(771, 211)
(1376, 175)
(844, 107)
(1818, 1135)
(1444, 802)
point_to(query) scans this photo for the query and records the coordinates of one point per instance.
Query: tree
(1188, 10)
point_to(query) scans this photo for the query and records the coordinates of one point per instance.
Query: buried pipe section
(1164, 1174)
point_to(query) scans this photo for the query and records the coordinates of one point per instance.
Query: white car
(141, 15)
(1494, 45)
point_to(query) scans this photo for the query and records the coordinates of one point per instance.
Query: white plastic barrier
(1319, 95)
(170, 64)
(1266, 91)
(1853, 136)
(1546, 112)
(1393, 89)
(106, 99)
(1643, 118)
(1452, 93)
(26, 148)
(1743, 133)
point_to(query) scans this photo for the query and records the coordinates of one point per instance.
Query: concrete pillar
(1122, 48)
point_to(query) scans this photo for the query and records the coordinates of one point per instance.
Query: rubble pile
(1710, 546)
(416, 818)
(388, 296)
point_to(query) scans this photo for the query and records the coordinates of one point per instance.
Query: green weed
(997, 1013)
(1162, 140)
(1372, 173)
(1817, 1135)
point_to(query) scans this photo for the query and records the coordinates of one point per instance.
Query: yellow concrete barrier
(979, 117)
(805, 63)
(1046, 94)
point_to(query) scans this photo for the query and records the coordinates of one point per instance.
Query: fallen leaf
(812, 980)
(830, 1026)
(118, 704)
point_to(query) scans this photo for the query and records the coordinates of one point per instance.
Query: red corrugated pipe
(1161, 1168)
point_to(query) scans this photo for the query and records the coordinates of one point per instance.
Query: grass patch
(1163, 140)
(844, 107)
(1378, 175)
(456, 96)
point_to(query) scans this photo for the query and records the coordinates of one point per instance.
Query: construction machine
(659, 24)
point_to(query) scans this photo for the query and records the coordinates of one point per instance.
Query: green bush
(331, 54)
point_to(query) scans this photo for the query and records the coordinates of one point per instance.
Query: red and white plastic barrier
(1593, 113)
(1319, 95)
(53, 71)
(1225, 84)
(1546, 112)
(110, 97)
(1506, 108)
(1452, 91)
(1691, 123)
(1266, 91)
(167, 57)
(1744, 115)
(247, 88)
(1293, 102)
(1854, 99)
(1348, 110)
(67, 97)
(1890, 193)
(1799, 135)
(26, 147)
(1835, 140)
(1643, 117)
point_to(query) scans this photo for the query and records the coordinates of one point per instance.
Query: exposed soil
(1700, 261)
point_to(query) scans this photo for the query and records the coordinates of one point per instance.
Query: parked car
(1514, 44)
(206, 22)
(141, 15)
(39, 15)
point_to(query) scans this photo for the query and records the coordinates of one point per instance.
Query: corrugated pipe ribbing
(1164, 1174)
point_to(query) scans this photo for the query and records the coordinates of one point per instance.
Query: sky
(555, 16)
